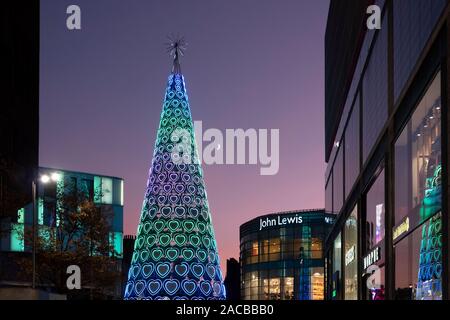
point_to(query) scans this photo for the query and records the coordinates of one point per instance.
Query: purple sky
(249, 64)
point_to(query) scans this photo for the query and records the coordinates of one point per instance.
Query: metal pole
(34, 233)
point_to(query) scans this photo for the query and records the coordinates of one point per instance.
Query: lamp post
(45, 178)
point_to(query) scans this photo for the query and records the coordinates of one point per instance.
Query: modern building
(282, 255)
(387, 149)
(104, 191)
(232, 280)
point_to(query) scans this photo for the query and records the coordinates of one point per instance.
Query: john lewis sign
(279, 221)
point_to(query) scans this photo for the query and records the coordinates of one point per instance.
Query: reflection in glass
(418, 263)
(418, 161)
(351, 256)
(375, 213)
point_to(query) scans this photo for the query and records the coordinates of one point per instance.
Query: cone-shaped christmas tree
(175, 253)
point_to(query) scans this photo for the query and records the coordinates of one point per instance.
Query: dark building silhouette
(128, 247)
(232, 280)
(19, 110)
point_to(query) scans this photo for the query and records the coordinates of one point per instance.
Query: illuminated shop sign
(279, 221)
(401, 229)
(350, 255)
(372, 257)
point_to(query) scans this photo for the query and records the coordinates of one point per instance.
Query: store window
(336, 268)
(274, 289)
(418, 201)
(418, 162)
(317, 283)
(289, 288)
(375, 213)
(418, 263)
(255, 248)
(351, 256)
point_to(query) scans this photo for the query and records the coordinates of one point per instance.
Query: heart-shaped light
(207, 241)
(217, 288)
(147, 227)
(194, 240)
(157, 254)
(171, 286)
(197, 269)
(205, 287)
(158, 225)
(139, 287)
(188, 254)
(135, 270)
(164, 239)
(172, 254)
(151, 240)
(163, 269)
(173, 225)
(201, 254)
(147, 270)
(211, 271)
(188, 225)
(144, 255)
(201, 227)
(180, 239)
(154, 286)
(189, 286)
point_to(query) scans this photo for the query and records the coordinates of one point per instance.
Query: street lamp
(44, 179)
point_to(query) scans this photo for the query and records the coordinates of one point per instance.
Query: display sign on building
(373, 256)
(279, 221)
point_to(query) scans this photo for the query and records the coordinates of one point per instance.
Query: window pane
(338, 183)
(375, 213)
(337, 269)
(351, 250)
(352, 149)
(418, 161)
(418, 263)
(329, 195)
(375, 108)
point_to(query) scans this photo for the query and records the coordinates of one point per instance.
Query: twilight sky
(249, 64)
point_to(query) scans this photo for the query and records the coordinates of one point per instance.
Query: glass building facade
(387, 153)
(282, 256)
(106, 192)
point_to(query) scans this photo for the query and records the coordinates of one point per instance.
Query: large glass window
(351, 256)
(418, 263)
(375, 98)
(375, 213)
(352, 149)
(418, 162)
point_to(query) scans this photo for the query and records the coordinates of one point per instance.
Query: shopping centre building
(281, 256)
(387, 149)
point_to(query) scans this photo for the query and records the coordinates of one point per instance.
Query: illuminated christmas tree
(175, 254)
